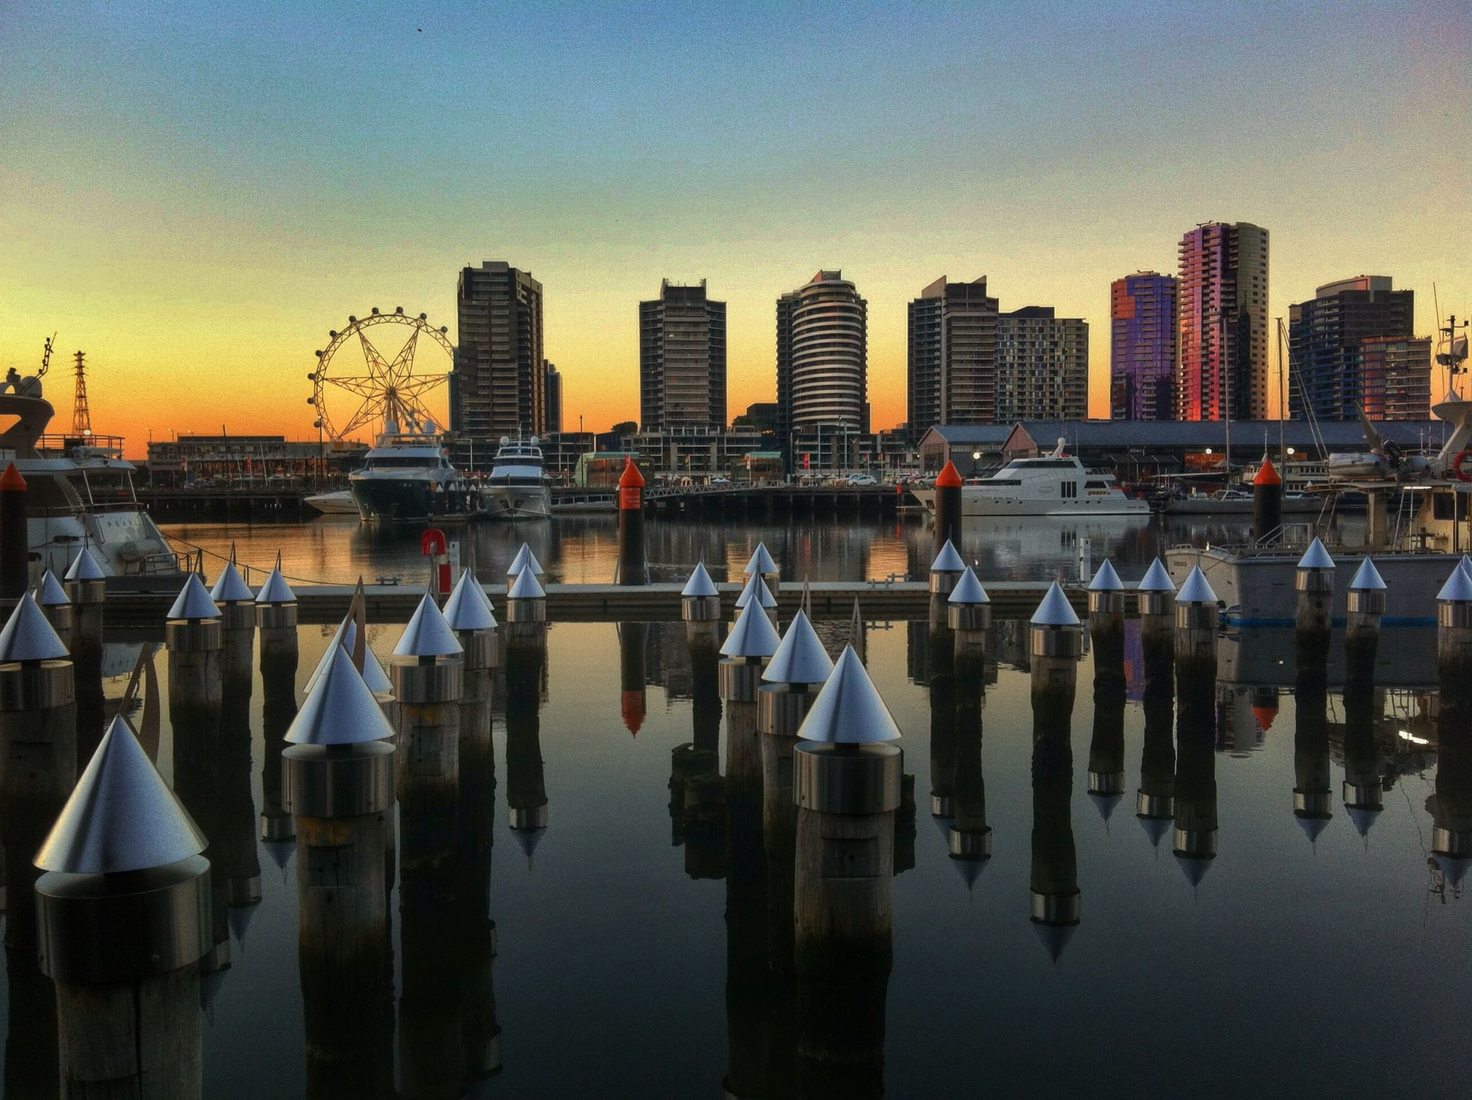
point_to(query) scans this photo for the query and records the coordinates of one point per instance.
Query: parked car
(862, 479)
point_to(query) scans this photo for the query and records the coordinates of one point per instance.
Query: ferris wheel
(350, 396)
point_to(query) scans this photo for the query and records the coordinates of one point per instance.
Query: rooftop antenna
(81, 415)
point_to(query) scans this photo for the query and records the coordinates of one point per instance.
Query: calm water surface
(1328, 968)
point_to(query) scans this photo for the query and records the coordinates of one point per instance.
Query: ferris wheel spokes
(389, 390)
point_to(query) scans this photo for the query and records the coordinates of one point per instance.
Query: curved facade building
(822, 355)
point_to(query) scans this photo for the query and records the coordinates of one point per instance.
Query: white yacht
(79, 491)
(518, 486)
(339, 502)
(406, 476)
(1057, 484)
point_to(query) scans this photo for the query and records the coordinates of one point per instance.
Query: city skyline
(194, 199)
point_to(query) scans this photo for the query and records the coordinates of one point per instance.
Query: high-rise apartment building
(1395, 378)
(1042, 366)
(1326, 345)
(951, 370)
(822, 356)
(1222, 323)
(500, 374)
(1142, 347)
(682, 359)
(554, 397)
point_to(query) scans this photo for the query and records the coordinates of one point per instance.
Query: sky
(195, 194)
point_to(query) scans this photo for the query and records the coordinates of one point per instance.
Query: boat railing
(57, 445)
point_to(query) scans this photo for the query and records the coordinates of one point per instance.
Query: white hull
(340, 503)
(123, 541)
(974, 502)
(516, 502)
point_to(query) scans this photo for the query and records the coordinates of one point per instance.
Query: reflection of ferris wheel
(382, 391)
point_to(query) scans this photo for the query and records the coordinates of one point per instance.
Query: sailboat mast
(1282, 397)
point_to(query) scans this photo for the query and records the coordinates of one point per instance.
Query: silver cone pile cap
(468, 608)
(800, 658)
(428, 634)
(340, 710)
(849, 709)
(28, 636)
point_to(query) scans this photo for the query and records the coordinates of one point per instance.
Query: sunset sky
(194, 194)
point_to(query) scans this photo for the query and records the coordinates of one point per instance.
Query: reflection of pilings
(1106, 747)
(278, 708)
(1451, 804)
(1054, 880)
(1155, 801)
(526, 790)
(747, 983)
(697, 792)
(30, 1038)
(940, 660)
(1312, 792)
(342, 890)
(236, 866)
(633, 639)
(1195, 793)
(1363, 785)
(840, 1025)
(970, 837)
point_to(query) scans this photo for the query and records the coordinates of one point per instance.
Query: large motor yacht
(406, 476)
(518, 487)
(1056, 484)
(79, 491)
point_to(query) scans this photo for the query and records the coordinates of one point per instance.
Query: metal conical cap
(1106, 579)
(1467, 564)
(341, 709)
(1316, 557)
(524, 557)
(969, 869)
(526, 586)
(757, 589)
(761, 562)
(1194, 869)
(1312, 827)
(49, 592)
(468, 608)
(1155, 828)
(326, 659)
(121, 815)
(700, 583)
(968, 590)
(229, 588)
(849, 709)
(428, 635)
(1055, 610)
(1196, 589)
(193, 602)
(84, 567)
(800, 658)
(948, 560)
(275, 590)
(1156, 579)
(1054, 937)
(752, 636)
(374, 674)
(1457, 589)
(1453, 868)
(28, 636)
(1105, 804)
(1363, 818)
(1367, 578)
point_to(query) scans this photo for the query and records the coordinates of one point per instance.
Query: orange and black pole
(1267, 500)
(948, 507)
(631, 562)
(14, 573)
